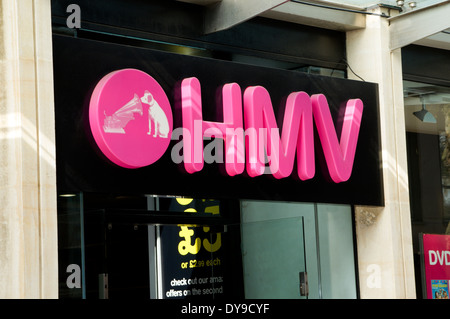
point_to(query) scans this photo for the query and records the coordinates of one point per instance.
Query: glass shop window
(427, 120)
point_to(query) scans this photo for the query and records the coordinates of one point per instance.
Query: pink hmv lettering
(131, 121)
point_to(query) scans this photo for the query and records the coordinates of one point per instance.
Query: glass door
(126, 274)
(274, 259)
(273, 252)
(284, 241)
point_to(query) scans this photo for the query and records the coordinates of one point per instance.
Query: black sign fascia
(80, 64)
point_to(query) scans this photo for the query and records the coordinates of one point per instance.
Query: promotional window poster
(199, 261)
(436, 265)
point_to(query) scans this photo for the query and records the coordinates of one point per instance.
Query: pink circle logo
(130, 118)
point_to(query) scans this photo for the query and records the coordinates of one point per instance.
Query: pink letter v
(338, 155)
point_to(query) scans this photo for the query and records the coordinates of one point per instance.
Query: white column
(384, 241)
(28, 227)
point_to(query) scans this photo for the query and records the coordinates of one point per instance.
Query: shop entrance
(175, 248)
(155, 247)
(177, 255)
(147, 259)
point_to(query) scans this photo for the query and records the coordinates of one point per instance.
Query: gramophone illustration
(119, 119)
(157, 119)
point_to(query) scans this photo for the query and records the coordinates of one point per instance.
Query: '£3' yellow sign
(191, 245)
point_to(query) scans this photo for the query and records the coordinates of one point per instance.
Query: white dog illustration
(157, 115)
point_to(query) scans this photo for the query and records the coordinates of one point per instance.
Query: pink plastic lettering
(262, 130)
(338, 155)
(231, 130)
(131, 121)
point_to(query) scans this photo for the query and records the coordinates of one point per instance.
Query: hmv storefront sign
(143, 121)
